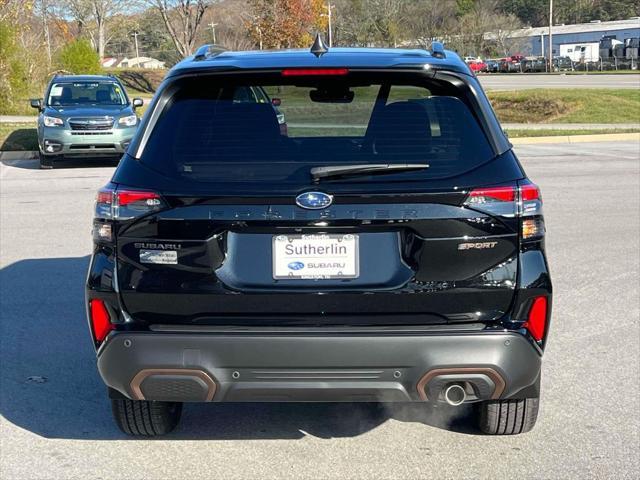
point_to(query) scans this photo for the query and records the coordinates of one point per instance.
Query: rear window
(271, 128)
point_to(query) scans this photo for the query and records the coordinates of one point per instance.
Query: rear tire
(507, 417)
(140, 418)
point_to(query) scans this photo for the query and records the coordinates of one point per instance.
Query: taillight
(494, 200)
(529, 191)
(522, 201)
(126, 204)
(489, 195)
(100, 319)
(530, 209)
(122, 204)
(536, 323)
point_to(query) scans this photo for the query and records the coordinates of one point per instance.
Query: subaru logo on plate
(295, 265)
(314, 200)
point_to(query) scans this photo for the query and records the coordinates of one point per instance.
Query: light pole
(329, 8)
(45, 28)
(213, 31)
(550, 35)
(135, 39)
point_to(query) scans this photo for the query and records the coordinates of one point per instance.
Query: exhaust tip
(455, 394)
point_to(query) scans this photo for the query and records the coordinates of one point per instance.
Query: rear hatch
(381, 203)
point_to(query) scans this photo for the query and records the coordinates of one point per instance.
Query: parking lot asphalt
(56, 421)
(525, 81)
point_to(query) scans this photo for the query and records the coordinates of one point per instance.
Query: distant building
(535, 41)
(108, 62)
(134, 62)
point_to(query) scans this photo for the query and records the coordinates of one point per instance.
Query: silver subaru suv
(84, 116)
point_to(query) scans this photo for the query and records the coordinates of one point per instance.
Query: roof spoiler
(210, 50)
(437, 50)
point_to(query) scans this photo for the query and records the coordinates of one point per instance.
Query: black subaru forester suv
(385, 246)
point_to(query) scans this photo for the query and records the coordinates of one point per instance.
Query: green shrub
(79, 57)
(14, 79)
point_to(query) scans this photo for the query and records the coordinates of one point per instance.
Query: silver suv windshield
(86, 93)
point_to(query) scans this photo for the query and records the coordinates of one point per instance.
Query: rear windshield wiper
(336, 171)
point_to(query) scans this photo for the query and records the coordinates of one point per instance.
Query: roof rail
(437, 50)
(210, 50)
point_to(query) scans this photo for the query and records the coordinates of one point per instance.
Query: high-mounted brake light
(100, 319)
(536, 323)
(305, 72)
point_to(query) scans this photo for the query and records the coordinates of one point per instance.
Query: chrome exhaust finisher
(478, 383)
(455, 394)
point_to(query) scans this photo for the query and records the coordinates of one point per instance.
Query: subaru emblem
(295, 265)
(314, 200)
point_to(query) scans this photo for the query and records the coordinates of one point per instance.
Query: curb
(605, 137)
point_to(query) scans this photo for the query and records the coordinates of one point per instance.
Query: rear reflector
(304, 72)
(537, 321)
(100, 320)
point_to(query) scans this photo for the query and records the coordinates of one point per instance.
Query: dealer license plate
(315, 256)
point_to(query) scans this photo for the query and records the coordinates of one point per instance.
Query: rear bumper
(317, 367)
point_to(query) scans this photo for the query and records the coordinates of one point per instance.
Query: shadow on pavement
(30, 161)
(50, 385)
(21, 139)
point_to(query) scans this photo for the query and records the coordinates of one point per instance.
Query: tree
(43, 11)
(182, 20)
(94, 17)
(13, 71)
(79, 57)
(285, 23)
(12, 10)
(536, 12)
(388, 20)
(426, 23)
(484, 31)
(352, 24)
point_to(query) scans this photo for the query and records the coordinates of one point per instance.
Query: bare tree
(484, 30)
(427, 22)
(43, 10)
(371, 22)
(93, 16)
(231, 18)
(12, 10)
(182, 19)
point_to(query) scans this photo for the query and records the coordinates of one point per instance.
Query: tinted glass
(86, 93)
(226, 131)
